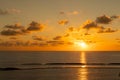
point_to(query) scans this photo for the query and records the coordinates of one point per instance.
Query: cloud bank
(17, 29)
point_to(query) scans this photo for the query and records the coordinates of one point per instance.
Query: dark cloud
(103, 19)
(59, 42)
(24, 31)
(57, 38)
(10, 32)
(109, 30)
(115, 17)
(55, 43)
(13, 30)
(90, 24)
(35, 26)
(38, 44)
(16, 29)
(106, 30)
(63, 22)
(15, 26)
(15, 43)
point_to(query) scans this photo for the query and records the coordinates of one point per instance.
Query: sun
(82, 44)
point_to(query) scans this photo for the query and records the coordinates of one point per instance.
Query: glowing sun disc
(81, 44)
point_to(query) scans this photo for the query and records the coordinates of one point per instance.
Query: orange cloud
(57, 38)
(13, 38)
(67, 35)
(38, 38)
(71, 29)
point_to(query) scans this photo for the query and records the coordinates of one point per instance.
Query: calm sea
(60, 65)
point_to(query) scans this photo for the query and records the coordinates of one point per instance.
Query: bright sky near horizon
(60, 25)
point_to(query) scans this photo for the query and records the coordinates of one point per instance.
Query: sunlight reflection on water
(83, 73)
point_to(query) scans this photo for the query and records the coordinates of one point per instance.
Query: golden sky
(91, 25)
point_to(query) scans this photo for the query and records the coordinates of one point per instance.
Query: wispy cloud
(38, 38)
(69, 13)
(9, 11)
(14, 11)
(3, 12)
(63, 22)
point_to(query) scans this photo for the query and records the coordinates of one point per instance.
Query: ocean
(59, 65)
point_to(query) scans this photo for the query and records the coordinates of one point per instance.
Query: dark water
(60, 65)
